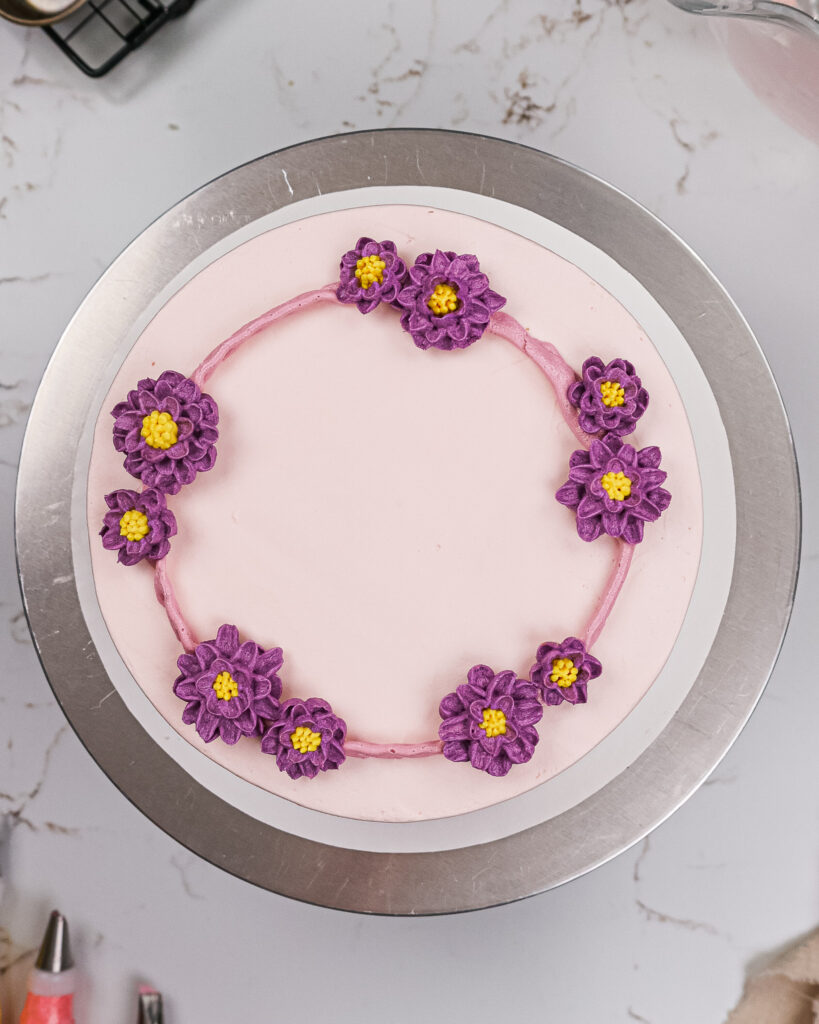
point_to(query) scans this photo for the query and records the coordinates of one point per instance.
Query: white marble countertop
(631, 90)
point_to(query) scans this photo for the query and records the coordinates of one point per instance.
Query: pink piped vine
(463, 737)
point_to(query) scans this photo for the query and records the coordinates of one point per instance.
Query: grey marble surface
(633, 91)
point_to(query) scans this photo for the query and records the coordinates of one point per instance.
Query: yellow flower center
(305, 740)
(616, 485)
(225, 686)
(494, 722)
(564, 672)
(370, 270)
(612, 393)
(134, 525)
(159, 430)
(444, 299)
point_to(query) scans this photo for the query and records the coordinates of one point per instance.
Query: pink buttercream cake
(387, 515)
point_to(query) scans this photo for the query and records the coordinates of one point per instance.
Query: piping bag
(50, 998)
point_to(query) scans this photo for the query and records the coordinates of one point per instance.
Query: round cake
(402, 565)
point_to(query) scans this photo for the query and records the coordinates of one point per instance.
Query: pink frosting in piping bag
(48, 1009)
(560, 375)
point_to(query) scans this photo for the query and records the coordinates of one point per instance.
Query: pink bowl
(775, 47)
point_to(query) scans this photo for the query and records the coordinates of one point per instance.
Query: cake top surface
(387, 514)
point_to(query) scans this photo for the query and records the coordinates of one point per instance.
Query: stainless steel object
(55, 956)
(150, 1008)
(723, 695)
(801, 14)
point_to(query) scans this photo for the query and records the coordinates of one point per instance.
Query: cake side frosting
(607, 558)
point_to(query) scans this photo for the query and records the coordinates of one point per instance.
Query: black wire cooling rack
(101, 32)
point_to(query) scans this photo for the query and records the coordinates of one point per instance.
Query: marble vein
(15, 815)
(662, 918)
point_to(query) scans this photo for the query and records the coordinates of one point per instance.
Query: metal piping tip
(150, 1007)
(55, 951)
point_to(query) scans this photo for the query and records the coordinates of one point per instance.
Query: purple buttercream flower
(447, 302)
(306, 738)
(167, 429)
(138, 525)
(371, 273)
(615, 489)
(610, 398)
(562, 671)
(490, 720)
(229, 687)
